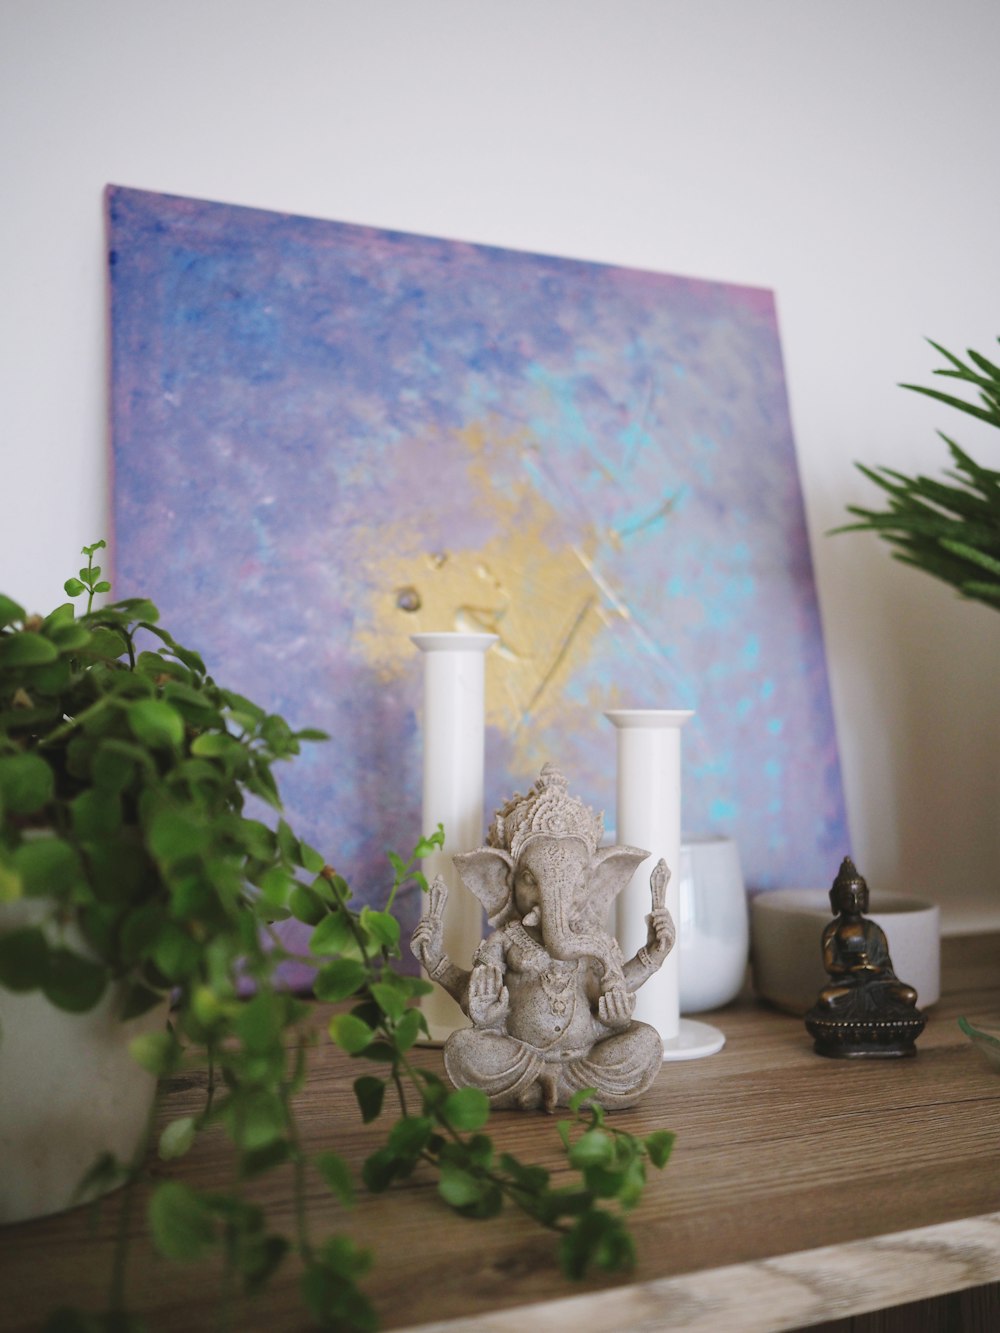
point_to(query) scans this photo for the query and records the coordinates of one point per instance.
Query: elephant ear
(488, 873)
(611, 870)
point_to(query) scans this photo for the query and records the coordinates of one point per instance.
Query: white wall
(842, 153)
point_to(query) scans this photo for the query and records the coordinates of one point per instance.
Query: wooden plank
(770, 1295)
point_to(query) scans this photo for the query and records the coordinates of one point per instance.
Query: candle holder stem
(454, 743)
(649, 816)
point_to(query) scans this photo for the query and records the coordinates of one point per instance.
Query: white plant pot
(713, 930)
(69, 1090)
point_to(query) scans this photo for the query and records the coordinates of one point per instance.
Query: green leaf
(69, 635)
(659, 1146)
(329, 1290)
(595, 1147)
(467, 1192)
(334, 935)
(156, 724)
(96, 815)
(157, 1052)
(336, 1175)
(981, 413)
(256, 1119)
(113, 765)
(389, 999)
(381, 1169)
(24, 959)
(350, 1033)
(533, 1179)
(175, 953)
(74, 587)
(177, 1138)
(306, 905)
(277, 885)
(25, 648)
(107, 643)
(47, 867)
(410, 1135)
(981, 558)
(259, 1023)
(381, 927)
(26, 783)
(180, 1221)
(10, 612)
(581, 1097)
(598, 1239)
(258, 1160)
(142, 609)
(311, 859)
(339, 979)
(311, 734)
(467, 1109)
(74, 984)
(215, 744)
(370, 1094)
(409, 1029)
(175, 835)
(428, 846)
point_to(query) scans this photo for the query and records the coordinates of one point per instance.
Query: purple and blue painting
(329, 437)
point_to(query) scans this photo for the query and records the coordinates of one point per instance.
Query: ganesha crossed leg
(515, 1075)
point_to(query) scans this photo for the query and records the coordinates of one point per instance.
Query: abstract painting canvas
(327, 437)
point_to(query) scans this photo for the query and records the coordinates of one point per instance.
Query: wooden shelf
(801, 1189)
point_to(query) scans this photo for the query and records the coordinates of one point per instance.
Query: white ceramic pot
(713, 928)
(787, 932)
(69, 1090)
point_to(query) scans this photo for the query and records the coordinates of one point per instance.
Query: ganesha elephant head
(543, 866)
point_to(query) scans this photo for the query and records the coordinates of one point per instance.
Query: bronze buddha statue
(866, 1010)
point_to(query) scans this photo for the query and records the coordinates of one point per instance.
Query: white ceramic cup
(787, 932)
(713, 930)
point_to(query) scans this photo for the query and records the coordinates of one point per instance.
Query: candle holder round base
(693, 1041)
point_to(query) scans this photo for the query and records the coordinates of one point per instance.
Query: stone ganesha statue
(549, 994)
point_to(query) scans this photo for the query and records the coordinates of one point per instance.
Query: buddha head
(850, 891)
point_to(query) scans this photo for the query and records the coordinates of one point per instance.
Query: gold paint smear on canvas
(544, 603)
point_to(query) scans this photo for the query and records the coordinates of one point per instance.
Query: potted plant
(949, 528)
(133, 875)
(125, 850)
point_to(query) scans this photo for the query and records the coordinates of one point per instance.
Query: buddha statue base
(870, 1039)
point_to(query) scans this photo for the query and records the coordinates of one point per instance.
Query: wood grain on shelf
(800, 1189)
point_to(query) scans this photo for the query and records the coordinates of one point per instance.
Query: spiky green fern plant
(949, 528)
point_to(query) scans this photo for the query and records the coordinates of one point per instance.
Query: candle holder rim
(448, 640)
(649, 717)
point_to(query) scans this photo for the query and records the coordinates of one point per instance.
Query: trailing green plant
(124, 776)
(950, 528)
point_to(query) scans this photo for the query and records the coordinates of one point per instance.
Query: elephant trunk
(566, 941)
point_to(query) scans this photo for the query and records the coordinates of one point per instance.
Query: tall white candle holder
(454, 734)
(649, 816)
